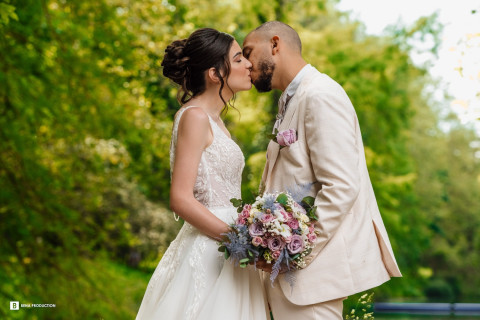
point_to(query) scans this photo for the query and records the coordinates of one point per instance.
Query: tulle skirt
(193, 281)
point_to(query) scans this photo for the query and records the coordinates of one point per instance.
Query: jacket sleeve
(330, 126)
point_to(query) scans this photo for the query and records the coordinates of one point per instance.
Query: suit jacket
(353, 252)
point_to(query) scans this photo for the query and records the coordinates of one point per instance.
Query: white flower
(280, 229)
(255, 213)
(304, 227)
(286, 231)
(303, 218)
(278, 214)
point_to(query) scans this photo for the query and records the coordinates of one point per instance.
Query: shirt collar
(292, 87)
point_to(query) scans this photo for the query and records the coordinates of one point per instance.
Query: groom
(353, 252)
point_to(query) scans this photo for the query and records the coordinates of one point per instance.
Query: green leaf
(222, 248)
(236, 202)
(226, 254)
(311, 213)
(309, 200)
(273, 136)
(282, 199)
(245, 260)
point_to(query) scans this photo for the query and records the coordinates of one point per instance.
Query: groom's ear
(274, 43)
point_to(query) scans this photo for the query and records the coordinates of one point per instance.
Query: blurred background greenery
(85, 122)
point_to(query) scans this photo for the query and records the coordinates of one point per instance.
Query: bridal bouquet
(275, 228)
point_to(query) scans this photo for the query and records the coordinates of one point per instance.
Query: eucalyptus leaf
(311, 213)
(282, 199)
(236, 202)
(309, 200)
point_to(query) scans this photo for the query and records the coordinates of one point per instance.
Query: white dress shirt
(289, 93)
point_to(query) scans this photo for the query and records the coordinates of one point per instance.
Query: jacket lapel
(273, 147)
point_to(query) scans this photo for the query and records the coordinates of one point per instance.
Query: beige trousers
(283, 309)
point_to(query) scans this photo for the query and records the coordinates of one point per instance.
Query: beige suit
(353, 252)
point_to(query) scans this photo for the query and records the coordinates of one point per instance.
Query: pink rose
(264, 242)
(266, 218)
(247, 207)
(284, 214)
(276, 243)
(296, 245)
(275, 255)
(245, 214)
(256, 229)
(293, 223)
(286, 137)
(241, 221)
(312, 237)
(288, 239)
(256, 241)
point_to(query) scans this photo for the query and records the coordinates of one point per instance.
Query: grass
(93, 289)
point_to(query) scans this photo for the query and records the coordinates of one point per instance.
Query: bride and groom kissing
(319, 144)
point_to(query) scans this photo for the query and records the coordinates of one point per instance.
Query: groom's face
(263, 66)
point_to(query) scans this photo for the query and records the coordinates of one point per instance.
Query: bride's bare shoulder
(192, 115)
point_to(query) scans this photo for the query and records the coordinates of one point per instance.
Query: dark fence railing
(458, 309)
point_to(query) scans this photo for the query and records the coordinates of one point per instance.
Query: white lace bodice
(220, 169)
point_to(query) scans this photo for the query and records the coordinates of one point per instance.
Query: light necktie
(282, 107)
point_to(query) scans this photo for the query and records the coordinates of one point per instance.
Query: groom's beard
(264, 82)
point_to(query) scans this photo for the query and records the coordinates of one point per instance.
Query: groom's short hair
(272, 28)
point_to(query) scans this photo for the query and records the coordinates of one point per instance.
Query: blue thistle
(278, 265)
(269, 202)
(299, 191)
(239, 245)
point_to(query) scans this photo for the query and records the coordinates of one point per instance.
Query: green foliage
(80, 289)
(7, 12)
(359, 308)
(439, 290)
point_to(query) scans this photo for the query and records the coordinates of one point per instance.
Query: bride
(193, 280)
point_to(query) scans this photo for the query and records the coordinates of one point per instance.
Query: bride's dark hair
(186, 61)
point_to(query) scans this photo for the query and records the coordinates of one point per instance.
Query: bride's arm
(194, 135)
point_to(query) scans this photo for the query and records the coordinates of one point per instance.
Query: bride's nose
(248, 65)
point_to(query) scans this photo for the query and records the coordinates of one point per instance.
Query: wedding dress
(193, 281)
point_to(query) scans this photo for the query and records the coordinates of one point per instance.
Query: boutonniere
(284, 138)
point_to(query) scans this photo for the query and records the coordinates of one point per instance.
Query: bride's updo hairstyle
(186, 61)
